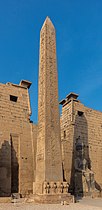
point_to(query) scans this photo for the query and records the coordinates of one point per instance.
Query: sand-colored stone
(16, 139)
(49, 140)
(79, 121)
(49, 177)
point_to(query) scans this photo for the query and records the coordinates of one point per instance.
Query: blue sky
(78, 26)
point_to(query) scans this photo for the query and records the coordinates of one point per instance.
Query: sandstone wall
(16, 140)
(78, 121)
(67, 140)
(35, 133)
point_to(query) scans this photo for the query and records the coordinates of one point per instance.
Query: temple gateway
(60, 156)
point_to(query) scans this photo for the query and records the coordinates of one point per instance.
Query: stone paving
(47, 207)
(85, 204)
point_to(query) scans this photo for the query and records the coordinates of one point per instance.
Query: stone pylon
(49, 178)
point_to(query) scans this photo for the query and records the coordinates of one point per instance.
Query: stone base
(50, 188)
(54, 199)
(51, 192)
(91, 194)
(94, 194)
(5, 199)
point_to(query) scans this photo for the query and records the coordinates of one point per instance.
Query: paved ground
(85, 204)
(92, 202)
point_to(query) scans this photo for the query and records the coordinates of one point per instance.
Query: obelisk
(48, 158)
(49, 178)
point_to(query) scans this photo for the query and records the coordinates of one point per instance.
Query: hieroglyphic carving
(49, 165)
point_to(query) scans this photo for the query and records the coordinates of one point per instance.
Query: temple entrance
(14, 163)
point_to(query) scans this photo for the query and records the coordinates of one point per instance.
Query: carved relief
(55, 187)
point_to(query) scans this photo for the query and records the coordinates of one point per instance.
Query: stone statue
(61, 187)
(47, 187)
(81, 166)
(55, 187)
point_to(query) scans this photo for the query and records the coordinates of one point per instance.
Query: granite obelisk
(48, 158)
(49, 178)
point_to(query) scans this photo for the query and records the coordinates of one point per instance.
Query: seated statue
(81, 166)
